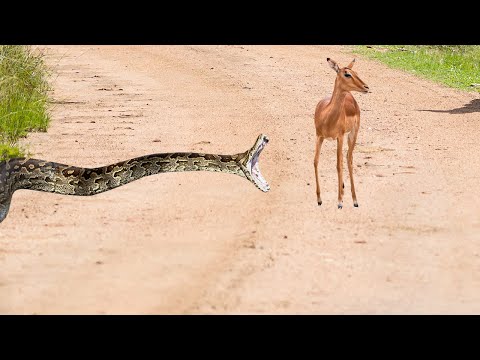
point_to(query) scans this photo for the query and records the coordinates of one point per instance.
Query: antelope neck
(336, 102)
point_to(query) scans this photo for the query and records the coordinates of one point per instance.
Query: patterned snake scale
(39, 175)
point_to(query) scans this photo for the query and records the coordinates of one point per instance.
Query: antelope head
(347, 79)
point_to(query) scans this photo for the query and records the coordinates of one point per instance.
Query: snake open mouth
(252, 168)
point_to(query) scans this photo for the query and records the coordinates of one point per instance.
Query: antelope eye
(348, 75)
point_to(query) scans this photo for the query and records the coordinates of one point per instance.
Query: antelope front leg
(340, 170)
(351, 145)
(318, 147)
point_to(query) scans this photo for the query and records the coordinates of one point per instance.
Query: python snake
(32, 174)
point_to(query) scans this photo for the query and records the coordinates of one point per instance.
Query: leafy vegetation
(457, 66)
(23, 96)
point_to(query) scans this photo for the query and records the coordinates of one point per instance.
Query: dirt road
(201, 243)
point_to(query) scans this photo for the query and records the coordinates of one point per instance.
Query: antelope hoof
(340, 205)
(320, 203)
(355, 204)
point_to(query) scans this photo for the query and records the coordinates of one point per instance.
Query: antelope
(336, 116)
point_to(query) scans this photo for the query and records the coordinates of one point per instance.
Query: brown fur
(334, 117)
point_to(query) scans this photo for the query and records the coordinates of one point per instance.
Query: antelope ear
(351, 64)
(333, 65)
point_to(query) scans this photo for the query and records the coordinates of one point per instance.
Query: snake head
(250, 166)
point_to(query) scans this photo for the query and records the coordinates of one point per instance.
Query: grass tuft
(24, 99)
(456, 66)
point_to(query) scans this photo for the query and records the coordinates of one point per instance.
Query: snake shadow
(471, 107)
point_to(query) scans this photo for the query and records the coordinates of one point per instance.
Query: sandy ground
(202, 243)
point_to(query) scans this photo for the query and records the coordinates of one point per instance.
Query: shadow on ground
(471, 107)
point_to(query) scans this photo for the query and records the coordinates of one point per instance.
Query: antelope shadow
(471, 107)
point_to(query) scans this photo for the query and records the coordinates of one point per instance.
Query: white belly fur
(331, 138)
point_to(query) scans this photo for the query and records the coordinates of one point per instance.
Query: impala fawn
(336, 116)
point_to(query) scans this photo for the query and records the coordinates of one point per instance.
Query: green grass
(24, 96)
(455, 66)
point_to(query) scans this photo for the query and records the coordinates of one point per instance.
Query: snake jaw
(251, 166)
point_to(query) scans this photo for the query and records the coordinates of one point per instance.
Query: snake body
(40, 175)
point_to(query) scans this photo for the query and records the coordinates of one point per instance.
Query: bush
(24, 99)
